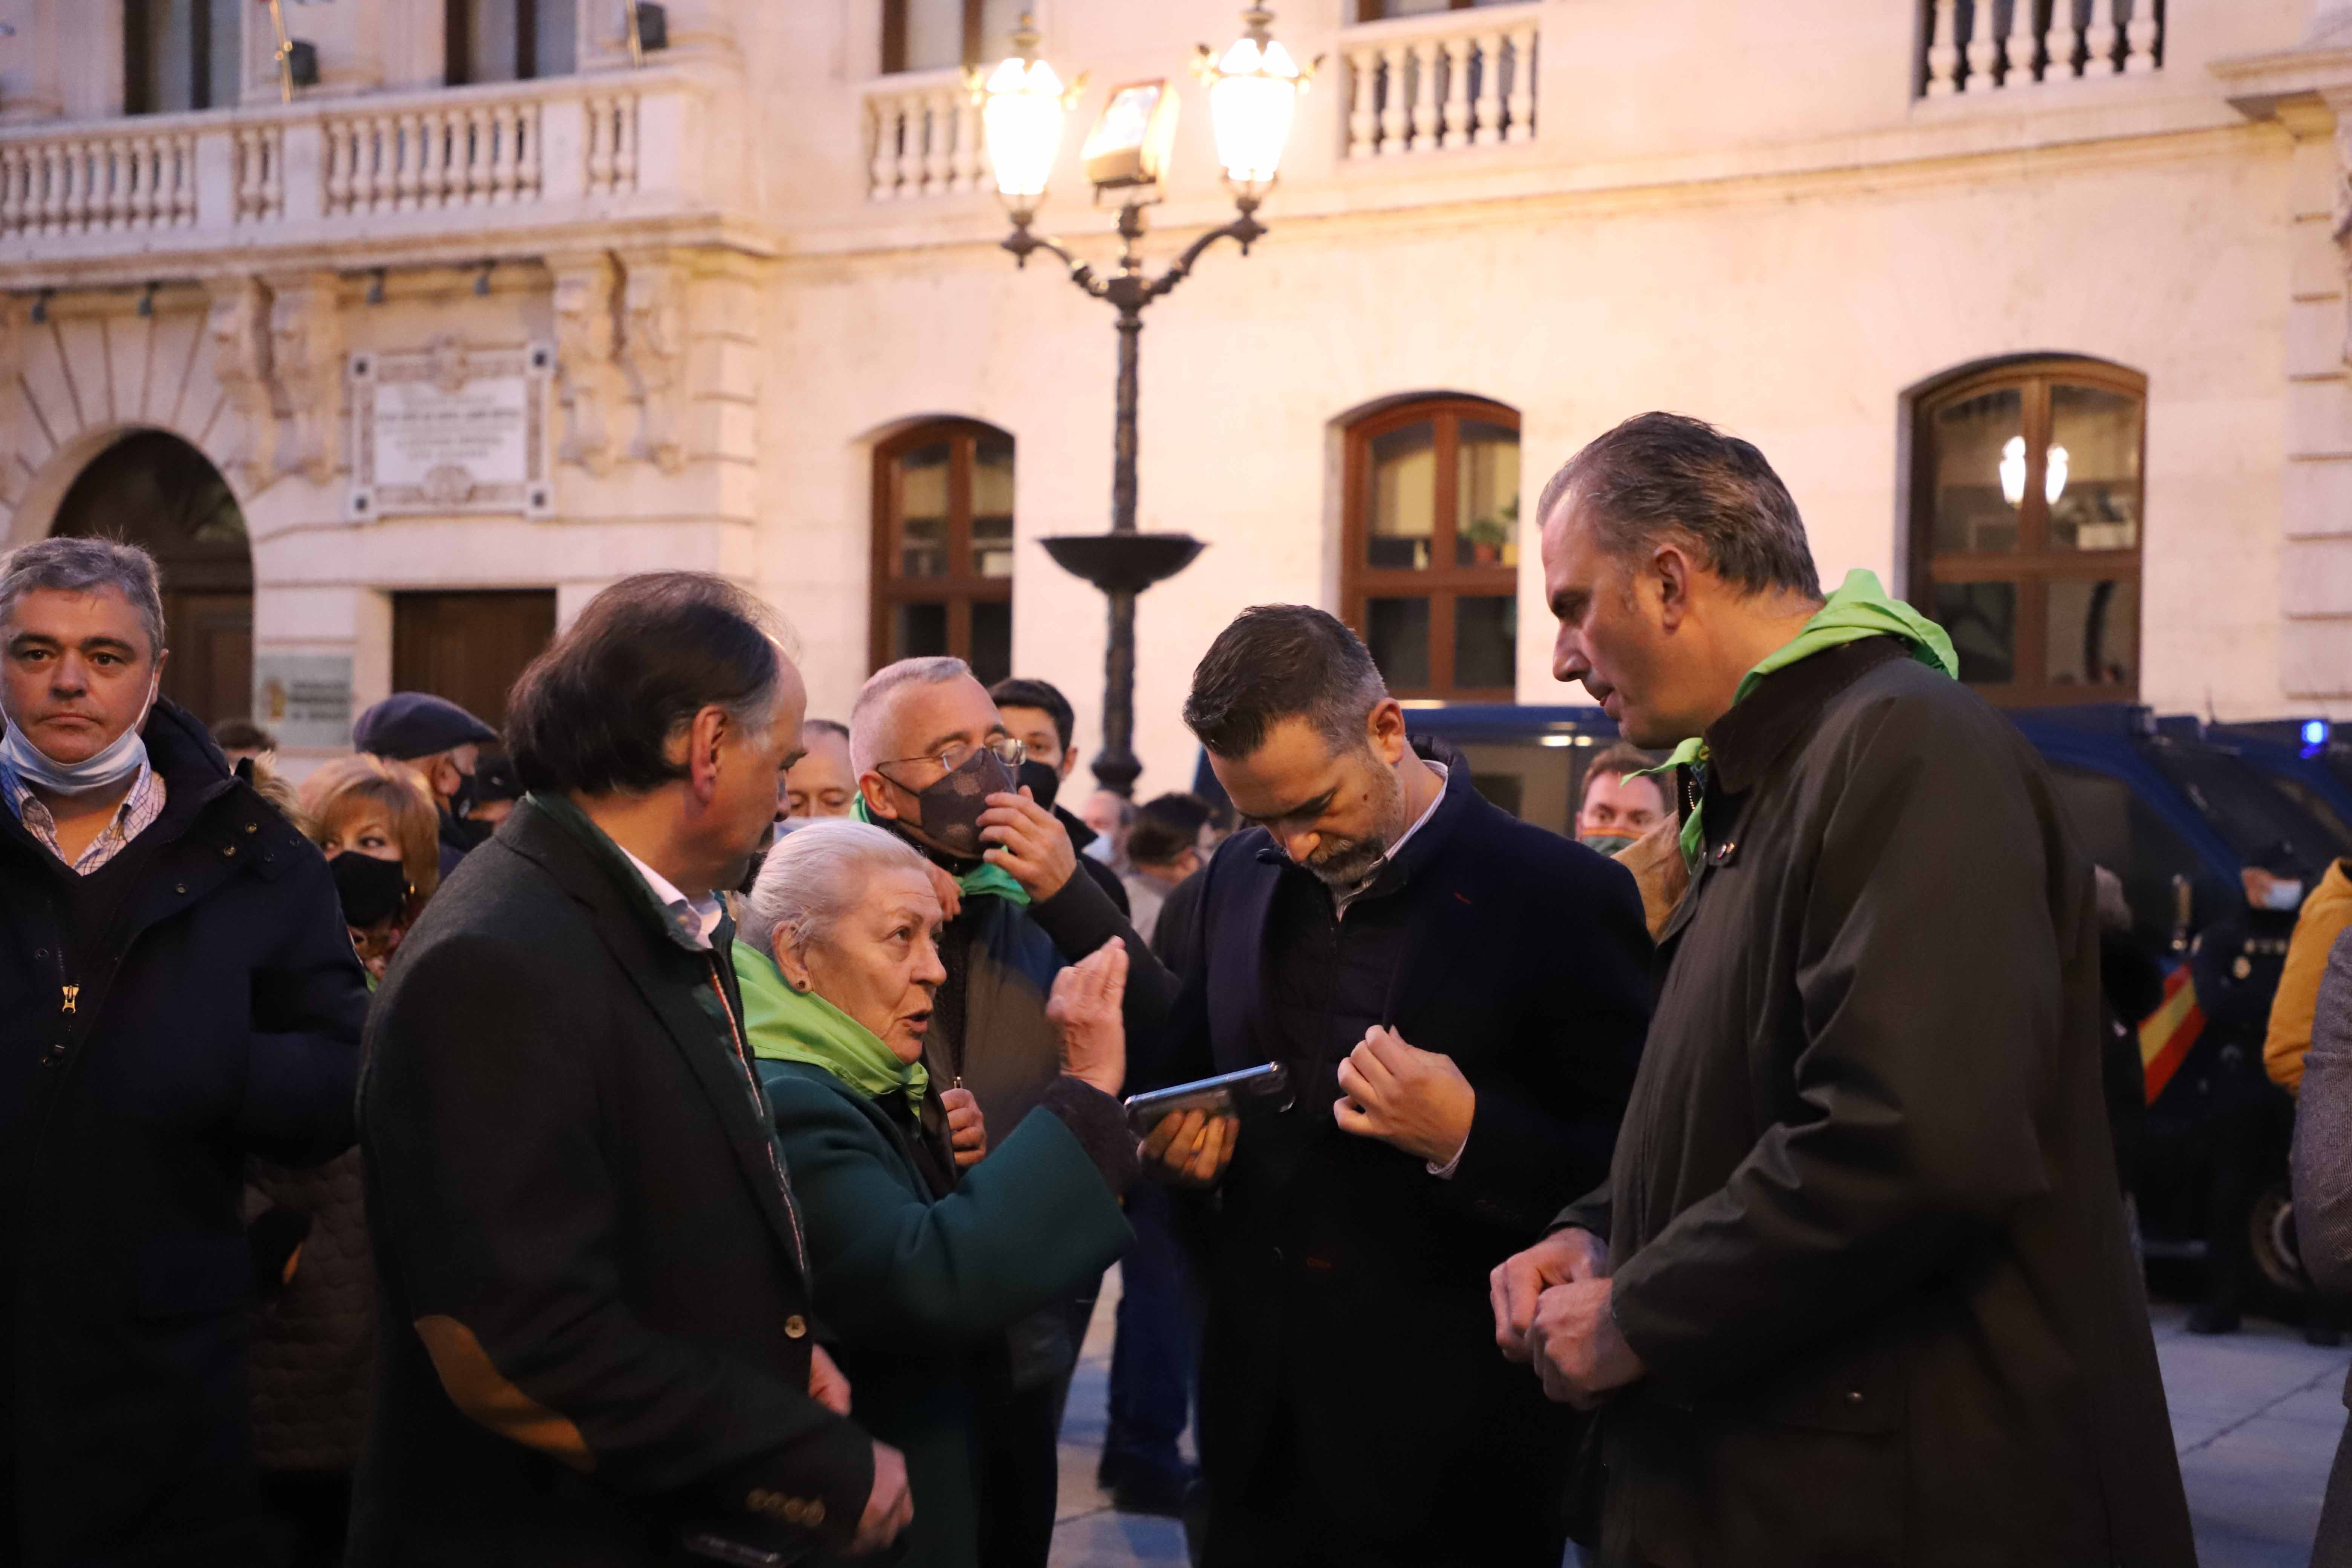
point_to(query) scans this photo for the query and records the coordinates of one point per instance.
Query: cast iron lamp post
(1253, 93)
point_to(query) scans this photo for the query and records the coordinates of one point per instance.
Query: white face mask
(113, 766)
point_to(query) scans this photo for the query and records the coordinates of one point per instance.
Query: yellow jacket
(2325, 915)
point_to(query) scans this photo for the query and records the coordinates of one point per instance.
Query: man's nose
(70, 674)
(1568, 660)
(1299, 845)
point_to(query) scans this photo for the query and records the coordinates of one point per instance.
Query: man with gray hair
(1458, 999)
(177, 991)
(1857, 1289)
(936, 766)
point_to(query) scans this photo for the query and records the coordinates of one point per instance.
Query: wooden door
(469, 647)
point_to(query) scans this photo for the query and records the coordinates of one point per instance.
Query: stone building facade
(741, 301)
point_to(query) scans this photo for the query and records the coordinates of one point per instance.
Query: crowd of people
(677, 1129)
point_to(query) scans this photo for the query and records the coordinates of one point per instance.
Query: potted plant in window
(1486, 536)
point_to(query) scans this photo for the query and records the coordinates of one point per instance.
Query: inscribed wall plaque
(305, 698)
(451, 429)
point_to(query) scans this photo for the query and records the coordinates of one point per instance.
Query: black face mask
(1041, 780)
(469, 796)
(951, 806)
(372, 890)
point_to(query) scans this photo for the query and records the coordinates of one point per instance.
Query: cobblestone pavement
(2256, 1416)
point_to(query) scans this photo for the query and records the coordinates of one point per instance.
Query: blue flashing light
(2315, 732)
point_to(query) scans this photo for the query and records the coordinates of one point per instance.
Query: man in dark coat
(1459, 998)
(1857, 1288)
(176, 992)
(595, 1309)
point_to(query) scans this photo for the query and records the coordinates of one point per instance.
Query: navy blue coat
(221, 1018)
(1348, 1287)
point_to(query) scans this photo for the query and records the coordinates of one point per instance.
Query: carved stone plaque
(452, 430)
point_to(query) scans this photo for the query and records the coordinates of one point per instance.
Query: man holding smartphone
(1459, 1000)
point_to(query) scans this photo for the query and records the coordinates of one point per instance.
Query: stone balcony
(388, 179)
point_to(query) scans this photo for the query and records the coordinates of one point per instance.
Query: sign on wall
(304, 699)
(451, 429)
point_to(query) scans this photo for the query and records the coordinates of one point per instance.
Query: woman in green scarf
(925, 1249)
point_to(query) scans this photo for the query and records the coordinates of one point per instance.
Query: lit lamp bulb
(1253, 97)
(1022, 105)
(2012, 472)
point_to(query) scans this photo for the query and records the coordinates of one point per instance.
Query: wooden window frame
(1443, 582)
(2033, 566)
(894, 36)
(959, 590)
(1375, 10)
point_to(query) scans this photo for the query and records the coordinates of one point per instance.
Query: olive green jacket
(913, 1293)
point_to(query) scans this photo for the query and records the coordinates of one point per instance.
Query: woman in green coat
(923, 1253)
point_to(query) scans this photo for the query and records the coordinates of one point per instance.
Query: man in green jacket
(1857, 1288)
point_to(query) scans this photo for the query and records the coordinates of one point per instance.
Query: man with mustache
(1459, 999)
(936, 765)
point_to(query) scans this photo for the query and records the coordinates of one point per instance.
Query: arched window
(2026, 521)
(943, 546)
(1430, 576)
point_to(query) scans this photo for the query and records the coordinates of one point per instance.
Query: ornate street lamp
(1253, 89)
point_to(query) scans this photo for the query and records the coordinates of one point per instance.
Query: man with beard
(936, 765)
(1459, 999)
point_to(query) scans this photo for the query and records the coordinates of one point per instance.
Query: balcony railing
(1453, 78)
(1976, 47)
(310, 172)
(923, 130)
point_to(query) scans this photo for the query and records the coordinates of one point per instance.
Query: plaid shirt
(138, 809)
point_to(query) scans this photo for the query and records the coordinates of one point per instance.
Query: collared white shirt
(694, 919)
(139, 808)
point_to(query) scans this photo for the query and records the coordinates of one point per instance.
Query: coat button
(179, 887)
(1853, 1396)
(795, 1327)
(253, 828)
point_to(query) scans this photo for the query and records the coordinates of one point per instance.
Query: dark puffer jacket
(217, 1015)
(313, 1346)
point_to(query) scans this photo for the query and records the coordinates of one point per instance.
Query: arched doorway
(156, 491)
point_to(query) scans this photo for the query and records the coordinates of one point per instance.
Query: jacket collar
(1744, 743)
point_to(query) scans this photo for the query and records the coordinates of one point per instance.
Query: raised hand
(1084, 1007)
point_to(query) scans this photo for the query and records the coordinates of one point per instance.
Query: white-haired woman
(923, 1251)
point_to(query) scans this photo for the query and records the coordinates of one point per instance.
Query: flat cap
(411, 724)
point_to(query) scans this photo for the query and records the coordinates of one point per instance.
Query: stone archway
(153, 489)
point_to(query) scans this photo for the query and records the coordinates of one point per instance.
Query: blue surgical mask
(114, 766)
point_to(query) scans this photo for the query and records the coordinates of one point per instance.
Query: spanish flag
(2166, 1035)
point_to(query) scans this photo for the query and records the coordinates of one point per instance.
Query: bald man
(823, 783)
(936, 766)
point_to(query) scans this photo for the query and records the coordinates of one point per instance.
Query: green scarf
(787, 1026)
(986, 878)
(1859, 609)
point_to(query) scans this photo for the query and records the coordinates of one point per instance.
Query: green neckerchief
(1859, 609)
(983, 879)
(782, 1025)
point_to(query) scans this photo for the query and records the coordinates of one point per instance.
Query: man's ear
(876, 791)
(1069, 761)
(1384, 731)
(1669, 570)
(705, 733)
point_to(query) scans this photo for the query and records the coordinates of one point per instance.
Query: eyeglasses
(1008, 751)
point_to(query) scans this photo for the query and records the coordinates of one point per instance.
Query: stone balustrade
(1978, 46)
(331, 169)
(924, 131)
(1441, 81)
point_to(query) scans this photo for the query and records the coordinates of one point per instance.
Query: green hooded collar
(782, 1025)
(992, 879)
(1860, 609)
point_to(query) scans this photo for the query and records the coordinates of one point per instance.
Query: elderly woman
(923, 1253)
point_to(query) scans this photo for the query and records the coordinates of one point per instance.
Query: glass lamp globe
(1254, 91)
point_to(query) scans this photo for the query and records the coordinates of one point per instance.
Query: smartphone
(1223, 1095)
